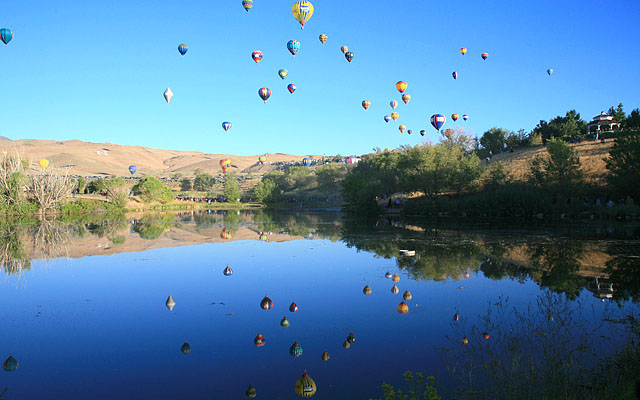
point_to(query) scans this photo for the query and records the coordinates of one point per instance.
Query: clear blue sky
(96, 71)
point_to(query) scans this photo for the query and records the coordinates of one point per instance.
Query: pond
(85, 310)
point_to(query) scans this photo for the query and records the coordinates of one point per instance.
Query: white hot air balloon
(170, 303)
(168, 95)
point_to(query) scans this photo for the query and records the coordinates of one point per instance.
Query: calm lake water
(83, 304)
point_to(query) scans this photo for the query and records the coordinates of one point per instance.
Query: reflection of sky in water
(97, 327)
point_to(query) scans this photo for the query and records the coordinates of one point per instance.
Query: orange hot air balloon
(401, 86)
(394, 116)
(407, 295)
(403, 308)
(455, 117)
(465, 340)
(225, 164)
(395, 277)
(406, 98)
(366, 104)
(484, 56)
(463, 50)
(485, 335)
(402, 128)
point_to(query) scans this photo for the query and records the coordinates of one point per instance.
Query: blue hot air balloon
(293, 46)
(183, 48)
(387, 118)
(437, 120)
(132, 169)
(6, 35)
(226, 126)
(306, 162)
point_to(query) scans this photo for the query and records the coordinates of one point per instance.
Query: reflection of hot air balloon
(323, 38)
(168, 95)
(259, 340)
(465, 340)
(186, 349)
(257, 56)
(266, 303)
(251, 392)
(395, 278)
(305, 386)
(402, 128)
(393, 104)
(549, 71)
(401, 86)
(367, 290)
(225, 234)
(467, 275)
(395, 289)
(43, 163)
(351, 338)
(387, 118)
(388, 275)
(247, 4)
(284, 322)
(349, 56)
(264, 93)
(456, 317)
(6, 35)
(182, 49)
(463, 50)
(293, 307)
(394, 116)
(227, 271)
(293, 46)
(346, 344)
(226, 126)
(407, 295)
(291, 87)
(454, 117)
(295, 350)
(132, 169)
(406, 98)
(263, 237)
(325, 356)
(455, 75)
(10, 364)
(485, 335)
(465, 117)
(170, 303)
(344, 49)
(225, 164)
(423, 132)
(484, 55)
(283, 73)
(366, 104)
(302, 11)
(403, 308)
(437, 120)
(306, 162)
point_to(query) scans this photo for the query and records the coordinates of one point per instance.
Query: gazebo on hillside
(602, 123)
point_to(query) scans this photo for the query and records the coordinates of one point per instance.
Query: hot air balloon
(170, 303)
(484, 56)
(295, 350)
(454, 117)
(293, 307)
(247, 4)
(266, 303)
(302, 11)
(367, 290)
(402, 128)
(257, 56)
(291, 87)
(43, 163)
(6, 35)
(226, 126)
(263, 237)
(388, 275)
(401, 86)
(485, 335)
(10, 364)
(283, 73)
(366, 104)
(293, 46)
(394, 116)
(323, 38)
(409, 131)
(132, 169)
(225, 164)
(456, 317)
(182, 49)
(437, 120)
(463, 50)
(395, 278)
(306, 162)
(351, 338)
(325, 356)
(284, 322)
(465, 117)
(467, 275)
(262, 160)
(251, 391)
(406, 98)
(393, 104)
(186, 349)
(225, 234)
(407, 295)
(346, 344)
(259, 340)
(349, 56)
(465, 340)
(227, 271)
(352, 160)
(305, 386)
(455, 75)
(264, 93)
(344, 49)
(168, 95)
(395, 289)
(403, 308)
(387, 118)
(448, 133)
(423, 132)
(549, 71)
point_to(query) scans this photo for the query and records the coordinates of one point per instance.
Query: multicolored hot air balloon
(401, 86)
(262, 160)
(393, 104)
(305, 386)
(344, 49)
(293, 46)
(485, 335)
(394, 289)
(257, 56)
(226, 126)
(251, 392)
(351, 160)
(291, 87)
(346, 344)
(6, 35)
(168, 95)
(366, 104)
(282, 73)
(266, 303)
(259, 340)
(247, 4)
(406, 98)
(394, 116)
(302, 11)
(388, 275)
(225, 164)
(227, 271)
(367, 290)
(351, 338)
(349, 56)
(455, 75)
(463, 50)
(293, 307)
(323, 38)
(465, 340)
(295, 350)
(43, 163)
(437, 120)
(182, 49)
(403, 308)
(395, 278)
(454, 117)
(306, 162)
(448, 133)
(407, 295)
(484, 56)
(284, 322)
(402, 128)
(185, 349)
(10, 364)
(423, 132)
(456, 317)
(409, 132)
(132, 169)
(549, 71)
(387, 118)
(325, 356)
(226, 234)
(465, 117)
(264, 93)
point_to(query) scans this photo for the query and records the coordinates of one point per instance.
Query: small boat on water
(407, 253)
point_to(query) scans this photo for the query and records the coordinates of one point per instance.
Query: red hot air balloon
(266, 303)
(455, 117)
(484, 56)
(465, 117)
(403, 308)
(225, 164)
(293, 307)
(401, 86)
(264, 93)
(257, 56)
(291, 87)
(259, 340)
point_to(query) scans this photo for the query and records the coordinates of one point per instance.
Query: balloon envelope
(225, 164)
(306, 162)
(401, 86)
(226, 126)
(168, 95)
(349, 56)
(387, 118)
(437, 120)
(393, 104)
(257, 56)
(455, 75)
(302, 11)
(549, 71)
(465, 117)
(344, 49)
(6, 35)
(423, 132)
(394, 116)
(182, 49)
(264, 94)
(283, 73)
(43, 163)
(484, 55)
(366, 104)
(132, 169)
(305, 386)
(406, 98)
(463, 50)
(247, 4)
(323, 38)
(454, 117)
(402, 128)
(291, 87)
(293, 46)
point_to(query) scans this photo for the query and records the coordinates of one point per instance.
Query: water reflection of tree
(14, 257)
(151, 227)
(323, 225)
(624, 271)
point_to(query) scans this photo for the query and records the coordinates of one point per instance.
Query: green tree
(494, 139)
(618, 114)
(186, 184)
(80, 184)
(96, 186)
(151, 189)
(633, 120)
(297, 178)
(329, 176)
(566, 127)
(203, 182)
(560, 172)
(266, 191)
(117, 192)
(496, 176)
(624, 164)
(231, 188)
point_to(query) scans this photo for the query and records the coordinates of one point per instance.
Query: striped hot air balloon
(295, 350)
(306, 162)
(291, 88)
(293, 307)
(283, 73)
(402, 128)
(465, 117)
(182, 49)
(484, 56)
(387, 118)
(227, 271)
(406, 98)
(6, 35)
(323, 38)
(266, 303)
(226, 126)
(264, 93)
(247, 4)
(257, 56)
(366, 104)
(438, 120)
(302, 11)
(262, 160)
(454, 117)
(393, 104)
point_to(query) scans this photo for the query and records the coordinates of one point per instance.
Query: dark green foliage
(266, 191)
(82, 206)
(560, 172)
(231, 188)
(633, 120)
(329, 177)
(494, 139)
(96, 186)
(117, 192)
(186, 184)
(80, 184)
(566, 127)
(203, 182)
(150, 227)
(496, 176)
(624, 164)
(418, 388)
(151, 189)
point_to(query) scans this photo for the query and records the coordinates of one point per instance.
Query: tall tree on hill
(494, 139)
(633, 120)
(559, 172)
(565, 127)
(231, 188)
(618, 114)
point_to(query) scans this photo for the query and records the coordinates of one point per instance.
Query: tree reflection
(151, 227)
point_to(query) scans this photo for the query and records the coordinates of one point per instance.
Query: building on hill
(603, 123)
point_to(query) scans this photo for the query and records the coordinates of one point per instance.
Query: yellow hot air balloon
(305, 386)
(44, 163)
(302, 11)
(463, 50)
(394, 116)
(323, 38)
(401, 86)
(344, 49)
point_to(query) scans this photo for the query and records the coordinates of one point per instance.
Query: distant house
(602, 123)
